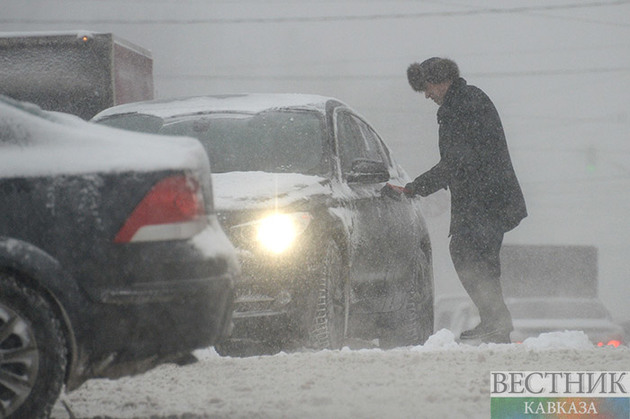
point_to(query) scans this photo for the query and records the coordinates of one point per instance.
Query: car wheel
(32, 352)
(328, 302)
(414, 321)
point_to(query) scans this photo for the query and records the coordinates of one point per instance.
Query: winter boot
(487, 334)
(472, 333)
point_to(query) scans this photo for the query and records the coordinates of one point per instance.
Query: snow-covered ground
(441, 379)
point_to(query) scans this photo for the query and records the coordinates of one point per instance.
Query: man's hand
(394, 191)
(409, 189)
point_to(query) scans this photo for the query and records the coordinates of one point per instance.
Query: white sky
(559, 75)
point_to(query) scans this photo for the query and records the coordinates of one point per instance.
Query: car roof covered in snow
(35, 143)
(247, 103)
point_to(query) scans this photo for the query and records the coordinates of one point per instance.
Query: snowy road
(439, 379)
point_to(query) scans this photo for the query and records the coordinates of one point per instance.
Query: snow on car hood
(257, 190)
(37, 143)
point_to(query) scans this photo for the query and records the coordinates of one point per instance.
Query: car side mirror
(367, 171)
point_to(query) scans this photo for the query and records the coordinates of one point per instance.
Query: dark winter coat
(474, 164)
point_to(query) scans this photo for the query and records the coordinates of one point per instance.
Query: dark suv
(111, 257)
(297, 181)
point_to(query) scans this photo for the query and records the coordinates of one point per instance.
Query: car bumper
(142, 327)
(151, 303)
(269, 297)
(261, 326)
(184, 316)
(173, 317)
(261, 314)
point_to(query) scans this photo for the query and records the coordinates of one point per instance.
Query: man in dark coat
(486, 199)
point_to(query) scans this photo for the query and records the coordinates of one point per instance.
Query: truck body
(78, 72)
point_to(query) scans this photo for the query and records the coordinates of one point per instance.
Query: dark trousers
(475, 255)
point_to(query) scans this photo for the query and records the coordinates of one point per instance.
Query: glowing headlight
(278, 231)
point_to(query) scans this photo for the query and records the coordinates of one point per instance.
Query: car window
(278, 141)
(377, 144)
(372, 142)
(353, 142)
(275, 141)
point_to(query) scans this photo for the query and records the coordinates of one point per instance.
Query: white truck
(77, 72)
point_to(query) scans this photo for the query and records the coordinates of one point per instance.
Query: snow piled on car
(442, 378)
(38, 143)
(249, 103)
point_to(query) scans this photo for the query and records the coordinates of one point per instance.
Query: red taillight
(614, 343)
(172, 209)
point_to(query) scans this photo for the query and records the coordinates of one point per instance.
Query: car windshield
(276, 141)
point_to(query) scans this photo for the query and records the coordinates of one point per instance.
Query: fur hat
(435, 70)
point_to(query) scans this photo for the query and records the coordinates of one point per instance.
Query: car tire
(414, 321)
(32, 352)
(328, 302)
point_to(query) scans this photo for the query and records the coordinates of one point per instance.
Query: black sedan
(111, 258)
(297, 180)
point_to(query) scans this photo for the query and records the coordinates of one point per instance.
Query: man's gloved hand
(394, 191)
(409, 189)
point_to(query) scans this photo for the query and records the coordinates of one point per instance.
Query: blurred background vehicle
(112, 260)
(533, 316)
(297, 183)
(626, 329)
(547, 288)
(78, 72)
